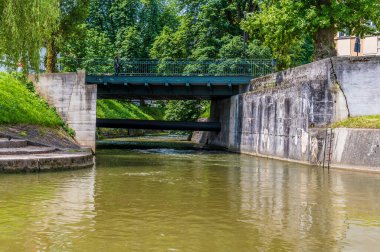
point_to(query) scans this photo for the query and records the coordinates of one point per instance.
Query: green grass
(206, 112)
(364, 122)
(20, 105)
(114, 109)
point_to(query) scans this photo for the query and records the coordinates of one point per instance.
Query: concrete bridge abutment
(74, 101)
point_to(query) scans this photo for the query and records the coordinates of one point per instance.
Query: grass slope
(364, 122)
(20, 105)
(114, 109)
(206, 112)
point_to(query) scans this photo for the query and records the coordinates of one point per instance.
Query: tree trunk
(324, 43)
(51, 61)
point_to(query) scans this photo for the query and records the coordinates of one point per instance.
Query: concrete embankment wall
(356, 149)
(284, 115)
(74, 101)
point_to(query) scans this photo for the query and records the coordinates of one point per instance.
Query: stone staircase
(21, 147)
(21, 156)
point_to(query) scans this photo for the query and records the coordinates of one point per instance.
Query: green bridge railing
(177, 67)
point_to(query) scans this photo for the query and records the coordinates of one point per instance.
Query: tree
(171, 44)
(100, 17)
(72, 13)
(130, 43)
(25, 25)
(83, 50)
(256, 50)
(286, 25)
(184, 110)
(232, 47)
(207, 24)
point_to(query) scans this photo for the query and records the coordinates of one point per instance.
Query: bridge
(172, 79)
(74, 94)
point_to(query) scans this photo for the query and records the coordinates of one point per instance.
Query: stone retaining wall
(356, 149)
(283, 115)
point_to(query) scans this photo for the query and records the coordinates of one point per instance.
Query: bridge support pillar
(74, 101)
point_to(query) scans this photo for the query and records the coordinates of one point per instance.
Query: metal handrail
(170, 67)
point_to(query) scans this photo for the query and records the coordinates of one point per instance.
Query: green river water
(163, 199)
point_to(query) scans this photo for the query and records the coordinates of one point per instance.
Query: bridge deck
(167, 87)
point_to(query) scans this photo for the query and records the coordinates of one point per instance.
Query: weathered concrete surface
(273, 117)
(45, 162)
(39, 136)
(201, 137)
(20, 155)
(13, 143)
(28, 150)
(359, 78)
(283, 115)
(74, 101)
(356, 149)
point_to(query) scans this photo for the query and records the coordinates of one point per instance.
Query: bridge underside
(157, 125)
(167, 87)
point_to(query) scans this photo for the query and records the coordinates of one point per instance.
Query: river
(164, 199)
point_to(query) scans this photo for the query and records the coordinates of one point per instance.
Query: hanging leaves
(24, 26)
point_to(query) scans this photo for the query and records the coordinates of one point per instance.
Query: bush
(189, 110)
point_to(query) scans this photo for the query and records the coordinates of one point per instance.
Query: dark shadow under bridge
(157, 125)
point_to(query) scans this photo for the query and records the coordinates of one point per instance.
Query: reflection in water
(42, 212)
(298, 209)
(170, 200)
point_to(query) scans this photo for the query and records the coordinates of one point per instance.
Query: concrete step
(45, 162)
(13, 143)
(29, 150)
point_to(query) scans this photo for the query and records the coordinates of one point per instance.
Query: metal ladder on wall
(327, 149)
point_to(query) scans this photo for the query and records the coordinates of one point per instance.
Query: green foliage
(206, 111)
(115, 109)
(163, 29)
(23, 134)
(365, 122)
(18, 105)
(84, 52)
(68, 130)
(25, 24)
(131, 25)
(286, 25)
(189, 110)
(171, 44)
(256, 50)
(72, 13)
(208, 30)
(130, 43)
(232, 47)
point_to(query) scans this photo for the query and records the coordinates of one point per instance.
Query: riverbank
(31, 148)
(33, 137)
